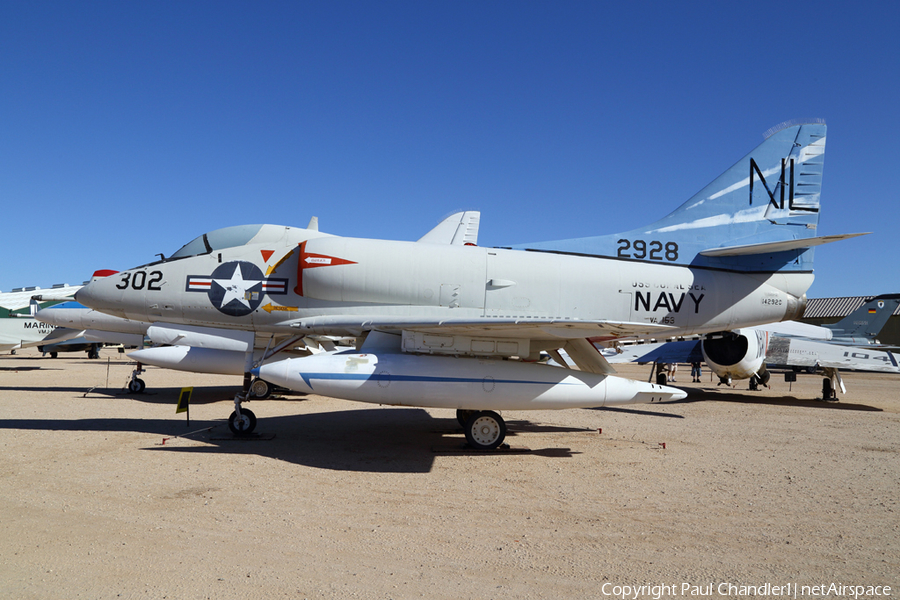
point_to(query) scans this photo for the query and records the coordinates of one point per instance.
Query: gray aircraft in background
(749, 353)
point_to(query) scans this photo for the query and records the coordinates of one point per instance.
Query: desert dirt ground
(99, 499)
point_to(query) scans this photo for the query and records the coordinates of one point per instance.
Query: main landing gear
(260, 389)
(137, 385)
(830, 384)
(760, 378)
(242, 421)
(484, 429)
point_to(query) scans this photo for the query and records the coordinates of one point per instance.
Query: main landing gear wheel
(136, 386)
(243, 424)
(462, 416)
(260, 389)
(485, 430)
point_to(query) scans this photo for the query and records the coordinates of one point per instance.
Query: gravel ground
(336, 499)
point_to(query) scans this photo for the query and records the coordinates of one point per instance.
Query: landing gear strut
(242, 421)
(830, 383)
(137, 385)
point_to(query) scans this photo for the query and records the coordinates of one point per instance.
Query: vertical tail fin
(865, 323)
(766, 204)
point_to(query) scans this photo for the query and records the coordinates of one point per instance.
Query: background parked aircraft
(748, 353)
(19, 329)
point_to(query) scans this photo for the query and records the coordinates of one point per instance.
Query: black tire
(243, 426)
(54, 354)
(137, 386)
(94, 352)
(260, 389)
(485, 430)
(827, 390)
(462, 416)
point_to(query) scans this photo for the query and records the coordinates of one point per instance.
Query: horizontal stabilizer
(783, 246)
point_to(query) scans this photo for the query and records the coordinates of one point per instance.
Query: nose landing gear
(137, 385)
(242, 421)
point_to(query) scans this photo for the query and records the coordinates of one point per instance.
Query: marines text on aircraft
(435, 321)
(17, 327)
(748, 353)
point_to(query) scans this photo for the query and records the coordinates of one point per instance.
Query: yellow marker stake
(184, 402)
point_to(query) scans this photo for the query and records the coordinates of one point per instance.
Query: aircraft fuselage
(306, 275)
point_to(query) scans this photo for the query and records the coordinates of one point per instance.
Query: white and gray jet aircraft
(454, 325)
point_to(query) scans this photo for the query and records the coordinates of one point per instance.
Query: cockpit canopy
(227, 237)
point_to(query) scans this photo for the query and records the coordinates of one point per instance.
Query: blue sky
(127, 129)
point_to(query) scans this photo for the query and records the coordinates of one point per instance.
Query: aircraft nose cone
(101, 294)
(83, 296)
(90, 296)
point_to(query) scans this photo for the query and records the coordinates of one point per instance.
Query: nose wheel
(137, 385)
(243, 423)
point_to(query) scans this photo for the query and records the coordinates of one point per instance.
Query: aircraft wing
(535, 329)
(687, 351)
(796, 329)
(18, 300)
(792, 352)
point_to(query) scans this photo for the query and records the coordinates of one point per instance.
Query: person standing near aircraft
(695, 371)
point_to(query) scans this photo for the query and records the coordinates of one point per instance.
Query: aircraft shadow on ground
(17, 369)
(204, 395)
(750, 397)
(643, 413)
(378, 440)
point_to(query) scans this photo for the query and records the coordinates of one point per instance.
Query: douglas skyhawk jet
(454, 325)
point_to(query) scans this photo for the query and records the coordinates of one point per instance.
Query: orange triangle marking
(267, 254)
